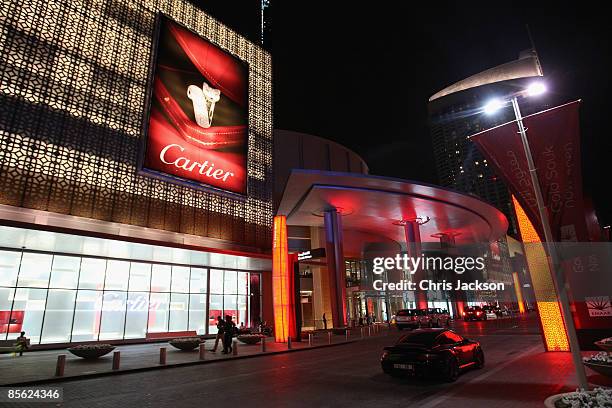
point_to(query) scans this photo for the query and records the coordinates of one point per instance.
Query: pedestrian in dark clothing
(230, 328)
(23, 343)
(220, 330)
(324, 322)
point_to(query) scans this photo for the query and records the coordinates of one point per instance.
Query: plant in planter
(91, 351)
(599, 397)
(600, 362)
(605, 344)
(250, 338)
(185, 343)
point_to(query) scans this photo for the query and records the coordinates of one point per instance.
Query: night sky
(361, 75)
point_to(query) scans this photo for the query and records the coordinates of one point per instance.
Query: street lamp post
(559, 279)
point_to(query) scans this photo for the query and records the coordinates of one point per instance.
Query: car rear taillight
(478, 313)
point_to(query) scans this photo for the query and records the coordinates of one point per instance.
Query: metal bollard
(310, 339)
(162, 355)
(202, 351)
(361, 330)
(116, 360)
(288, 343)
(263, 344)
(369, 331)
(329, 334)
(346, 334)
(235, 347)
(59, 367)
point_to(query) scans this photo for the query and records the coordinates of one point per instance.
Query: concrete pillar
(457, 297)
(413, 247)
(321, 286)
(335, 265)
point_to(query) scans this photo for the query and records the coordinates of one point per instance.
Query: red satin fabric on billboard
(554, 139)
(198, 120)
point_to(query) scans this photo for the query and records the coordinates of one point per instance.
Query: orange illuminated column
(519, 295)
(551, 320)
(281, 280)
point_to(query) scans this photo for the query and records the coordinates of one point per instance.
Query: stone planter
(603, 369)
(185, 344)
(554, 401)
(91, 352)
(604, 346)
(249, 338)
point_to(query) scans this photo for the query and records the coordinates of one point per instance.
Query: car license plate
(404, 366)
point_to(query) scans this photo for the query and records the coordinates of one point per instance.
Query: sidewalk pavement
(39, 366)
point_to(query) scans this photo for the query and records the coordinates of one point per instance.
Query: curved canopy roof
(375, 204)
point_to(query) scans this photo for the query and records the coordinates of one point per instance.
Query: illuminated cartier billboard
(198, 117)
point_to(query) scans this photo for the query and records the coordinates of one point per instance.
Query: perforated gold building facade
(73, 85)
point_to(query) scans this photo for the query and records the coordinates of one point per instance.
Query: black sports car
(432, 353)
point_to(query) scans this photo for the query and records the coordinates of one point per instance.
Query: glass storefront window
(57, 323)
(137, 315)
(27, 314)
(92, 273)
(140, 277)
(9, 265)
(62, 298)
(158, 312)
(197, 313)
(160, 278)
(243, 283)
(179, 314)
(230, 283)
(6, 301)
(230, 307)
(216, 281)
(65, 272)
(87, 313)
(35, 270)
(242, 310)
(113, 315)
(117, 274)
(215, 309)
(180, 279)
(198, 280)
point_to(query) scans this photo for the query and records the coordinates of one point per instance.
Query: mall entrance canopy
(373, 203)
(400, 210)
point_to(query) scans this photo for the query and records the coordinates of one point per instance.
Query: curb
(167, 366)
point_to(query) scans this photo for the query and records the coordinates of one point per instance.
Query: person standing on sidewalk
(220, 331)
(23, 343)
(324, 322)
(229, 329)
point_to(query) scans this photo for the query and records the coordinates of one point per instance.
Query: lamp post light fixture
(536, 89)
(493, 106)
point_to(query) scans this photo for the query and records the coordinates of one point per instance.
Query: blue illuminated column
(335, 265)
(413, 249)
(457, 297)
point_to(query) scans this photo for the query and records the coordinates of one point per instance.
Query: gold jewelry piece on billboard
(204, 100)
